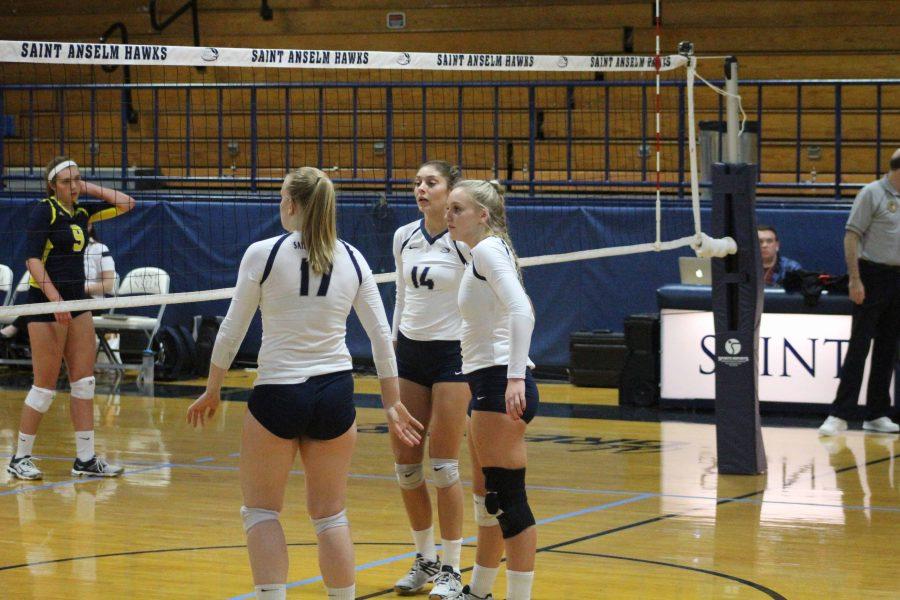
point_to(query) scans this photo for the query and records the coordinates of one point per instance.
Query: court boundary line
(406, 555)
(723, 501)
(198, 464)
(372, 564)
(553, 547)
(758, 586)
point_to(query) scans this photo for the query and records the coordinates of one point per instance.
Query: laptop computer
(695, 271)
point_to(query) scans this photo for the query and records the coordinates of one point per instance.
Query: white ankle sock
(518, 584)
(84, 445)
(425, 543)
(483, 580)
(346, 593)
(25, 445)
(451, 552)
(271, 591)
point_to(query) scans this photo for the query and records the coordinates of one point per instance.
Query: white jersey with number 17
(304, 315)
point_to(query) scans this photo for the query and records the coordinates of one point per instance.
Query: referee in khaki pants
(872, 250)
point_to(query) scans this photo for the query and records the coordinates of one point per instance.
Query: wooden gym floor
(628, 505)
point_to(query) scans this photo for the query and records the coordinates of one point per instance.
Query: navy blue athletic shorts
(489, 391)
(320, 408)
(68, 292)
(428, 363)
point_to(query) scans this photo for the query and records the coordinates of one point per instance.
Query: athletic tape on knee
(507, 500)
(40, 399)
(445, 471)
(83, 389)
(482, 516)
(326, 523)
(255, 516)
(410, 476)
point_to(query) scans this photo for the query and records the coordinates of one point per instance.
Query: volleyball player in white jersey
(99, 267)
(426, 328)
(304, 283)
(498, 321)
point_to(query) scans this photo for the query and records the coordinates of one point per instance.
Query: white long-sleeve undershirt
(497, 316)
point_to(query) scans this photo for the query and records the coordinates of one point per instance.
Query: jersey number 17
(304, 280)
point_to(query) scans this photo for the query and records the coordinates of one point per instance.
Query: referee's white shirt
(304, 315)
(497, 316)
(429, 270)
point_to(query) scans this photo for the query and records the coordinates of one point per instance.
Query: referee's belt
(881, 266)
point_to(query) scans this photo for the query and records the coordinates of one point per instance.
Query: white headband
(63, 165)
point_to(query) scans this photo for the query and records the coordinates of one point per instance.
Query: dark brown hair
(763, 227)
(451, 173)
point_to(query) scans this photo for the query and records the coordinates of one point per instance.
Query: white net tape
(226, 293)
(189, 56)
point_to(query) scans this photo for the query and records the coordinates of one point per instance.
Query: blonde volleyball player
(426, 329)
(304, 282)
(498, 321)
(54, 250)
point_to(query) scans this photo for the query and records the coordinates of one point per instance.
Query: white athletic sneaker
(466, 594)
(447, 585)
(421, 572)
(881, 424)
(833, 426)
(96, 467)
(23, 468)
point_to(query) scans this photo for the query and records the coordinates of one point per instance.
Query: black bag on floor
(175, 353)
(206, 329)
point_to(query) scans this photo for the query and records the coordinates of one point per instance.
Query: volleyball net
(203, 137)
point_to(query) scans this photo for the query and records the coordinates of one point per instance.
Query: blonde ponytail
(313, 193)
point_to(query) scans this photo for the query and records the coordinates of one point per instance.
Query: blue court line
(468, 540)
(593, 509)
(364, 476)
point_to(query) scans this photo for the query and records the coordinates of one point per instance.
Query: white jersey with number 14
(429, 270)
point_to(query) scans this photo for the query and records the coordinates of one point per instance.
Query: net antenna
(705, 246)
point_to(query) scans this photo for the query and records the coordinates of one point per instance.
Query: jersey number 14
(422, 280)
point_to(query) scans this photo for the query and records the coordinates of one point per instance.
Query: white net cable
(724, 94)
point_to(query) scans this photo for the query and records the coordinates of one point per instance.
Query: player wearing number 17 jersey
(427, 327)
(304, 283)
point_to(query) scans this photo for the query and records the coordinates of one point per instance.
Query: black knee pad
(507, 500)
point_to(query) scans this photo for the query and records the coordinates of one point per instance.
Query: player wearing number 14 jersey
(426, 330)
